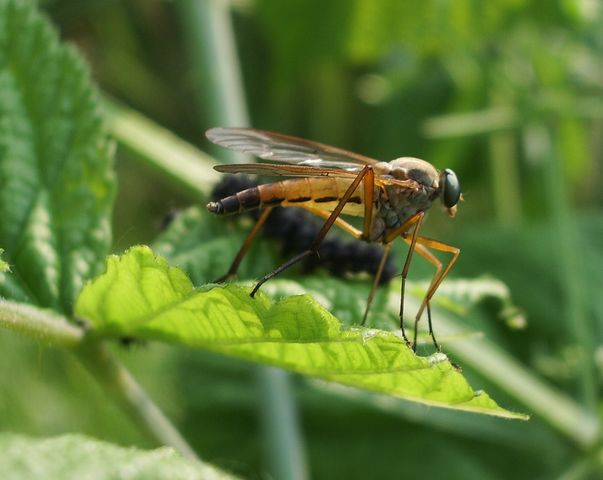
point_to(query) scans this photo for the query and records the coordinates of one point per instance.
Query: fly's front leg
(415, 221)
(440, 274)
(431, 258)
(313, 250)
(360, 235)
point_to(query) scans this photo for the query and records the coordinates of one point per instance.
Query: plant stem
(470, 123)
(119, 384)
(558, 410)
(505, 178)
(56, 330)
(277, 407)
(542, 147)
(483, 356)
(213, 57)
(162, 150)
(504, 170)
(586, 467)
(212, 53)
(43, 325)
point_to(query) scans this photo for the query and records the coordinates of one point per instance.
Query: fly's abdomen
(270, 195)
(242, 201)
(321, 193)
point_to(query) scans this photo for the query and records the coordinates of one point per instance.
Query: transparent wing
(284, 148)
(283, 170)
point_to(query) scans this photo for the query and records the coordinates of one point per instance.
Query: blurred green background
(508, 93)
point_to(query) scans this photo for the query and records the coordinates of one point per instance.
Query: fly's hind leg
(359, 234)
(367, 176)
(245, 247)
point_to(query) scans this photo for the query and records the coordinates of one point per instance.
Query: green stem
(583, 469)
(119, 384)
(56, 330)
(483, 356)
(543, 147)
(558, 410)
(162, 150)
(277, 407)
(505, 178)
(504, 170)
(43, 325)
(470, 123)
(212, 53)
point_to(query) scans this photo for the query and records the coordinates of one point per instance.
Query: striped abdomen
(320, 193)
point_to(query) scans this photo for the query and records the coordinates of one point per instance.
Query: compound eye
(451, 192)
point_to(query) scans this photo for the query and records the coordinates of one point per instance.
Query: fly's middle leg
(414, 221)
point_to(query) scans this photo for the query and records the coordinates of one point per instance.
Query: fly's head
(450, 191)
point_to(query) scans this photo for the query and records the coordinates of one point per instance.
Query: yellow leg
(415, 221)
(345, 226)
(421, 246)
(437, 280)
(340, 222)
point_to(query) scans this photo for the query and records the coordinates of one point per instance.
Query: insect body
(391, 197)
(295, 229)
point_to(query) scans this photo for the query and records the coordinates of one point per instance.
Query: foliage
(76, 456)
(56, 180)
(4, 267)
(140, 296)
(506, 93)
(57, 191)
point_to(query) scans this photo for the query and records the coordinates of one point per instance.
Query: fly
(391, 197)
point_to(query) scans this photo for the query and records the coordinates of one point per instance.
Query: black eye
(451, 188)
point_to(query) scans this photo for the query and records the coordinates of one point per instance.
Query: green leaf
(368, 29)
(140, 295)
(4, 267)
(56, 181)
(76, 457)
(204, 245)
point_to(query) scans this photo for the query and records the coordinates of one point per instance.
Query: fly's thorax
(397, 204)
(410, 168)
